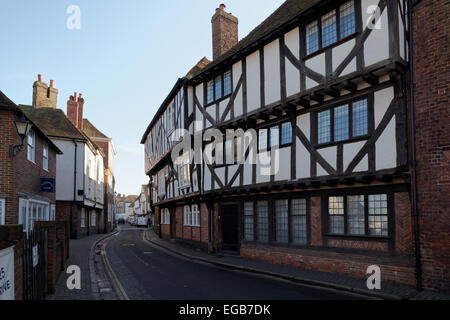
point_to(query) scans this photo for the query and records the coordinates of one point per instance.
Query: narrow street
(147, 272)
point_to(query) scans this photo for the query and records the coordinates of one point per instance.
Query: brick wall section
(7, 134)
(224, 32)
(204, 222)
(432, 77)
(362, 245)
(316, 222)
(401, 271)
(403, 224)
(12, 235)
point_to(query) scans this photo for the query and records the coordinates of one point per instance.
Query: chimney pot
(52, 83)
(222, 7)
(40, 77)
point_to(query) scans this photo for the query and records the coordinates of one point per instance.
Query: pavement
(80, 254)
(319, 279)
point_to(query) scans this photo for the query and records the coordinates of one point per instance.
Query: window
(333, 125)
(249, 233)
(298, 221)
(210, 92)
(351, 214)
(218, 88)
(83, 218)
(165, 216)
(31, 154)
(270, 137)
(378, 219)
(184, 178)
(262, 210)
(343, 16)
(162, 182)
(45, 156)
(274, 136)
(282, 221)
(195, 216)
(93, 218)
(347, 24)
(187, 216)
(31, 211)
(227, 83)
(262, 139)
(286, 133)
(312, 37)
(329, 35)
(2, 212)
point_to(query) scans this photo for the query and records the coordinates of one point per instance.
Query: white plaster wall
(292, 41)
(339, 53)
(282, 171)
(65, 166)
(198, 126)
(222, 106)
(248, 174)
(330, 155)
(253, 82)
(237, 72)
(386, 148)
(207, 179)
(220, 172)
(263, 167)
(350, 152)
(272, 72)
(231, 171)
(303, 161)
(304, 123)
(383, 99)
(376, 47)
(317, 63)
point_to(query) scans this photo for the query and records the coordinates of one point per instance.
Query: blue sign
(48, 185)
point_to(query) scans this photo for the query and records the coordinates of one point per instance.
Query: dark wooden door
(230, 226)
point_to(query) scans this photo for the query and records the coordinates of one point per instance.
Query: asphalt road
(146, 272)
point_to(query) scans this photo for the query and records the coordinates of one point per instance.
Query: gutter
(415, 213)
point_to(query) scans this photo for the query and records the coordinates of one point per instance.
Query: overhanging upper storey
(326, 50)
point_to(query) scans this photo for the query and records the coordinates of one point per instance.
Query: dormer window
(219, 88)
(331, 27)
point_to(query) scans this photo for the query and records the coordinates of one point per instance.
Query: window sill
(347, 141)
(218, 100)
(335, 44)
(358, 237)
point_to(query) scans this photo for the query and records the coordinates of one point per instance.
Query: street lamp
(23, 126)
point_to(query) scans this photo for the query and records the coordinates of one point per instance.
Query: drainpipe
(74, 187)
(418, 270)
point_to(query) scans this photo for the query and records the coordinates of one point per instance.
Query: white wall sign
(35, 256)
(7, 291)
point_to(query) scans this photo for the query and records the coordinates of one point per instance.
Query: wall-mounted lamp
(23, 126)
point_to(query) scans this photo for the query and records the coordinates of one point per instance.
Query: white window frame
(2, 211)
(195, 212)
(31, 146)
(52, 213)
(45, 156)
(187, 214)
(184, 174)
(41, 206)
(165, 216)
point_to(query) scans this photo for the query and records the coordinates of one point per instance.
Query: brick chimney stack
(43, 95)
(224, 31)
(75, 106)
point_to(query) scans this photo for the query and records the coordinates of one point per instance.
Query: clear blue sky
(125, 59)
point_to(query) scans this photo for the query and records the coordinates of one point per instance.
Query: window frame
(45, 157)
(268, 128)
(31, 148)
(195, 213)
(339, 39)
(41, 207)
(366, 236)
(331, 108)
(222, 94)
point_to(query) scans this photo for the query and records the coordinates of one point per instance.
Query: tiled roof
(53, 122)
(91, 131)
(198, 67)
(287, 11)
(129, 199)
(6, 102)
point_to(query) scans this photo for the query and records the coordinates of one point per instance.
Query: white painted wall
(253, 82)
(272, 72)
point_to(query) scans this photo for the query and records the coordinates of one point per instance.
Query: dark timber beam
(371, 79)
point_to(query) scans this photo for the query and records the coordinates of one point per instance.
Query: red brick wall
(316, 222)
(198, 234)
(432, 76)
(7, 134)
(350, 264)
(403, 224)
